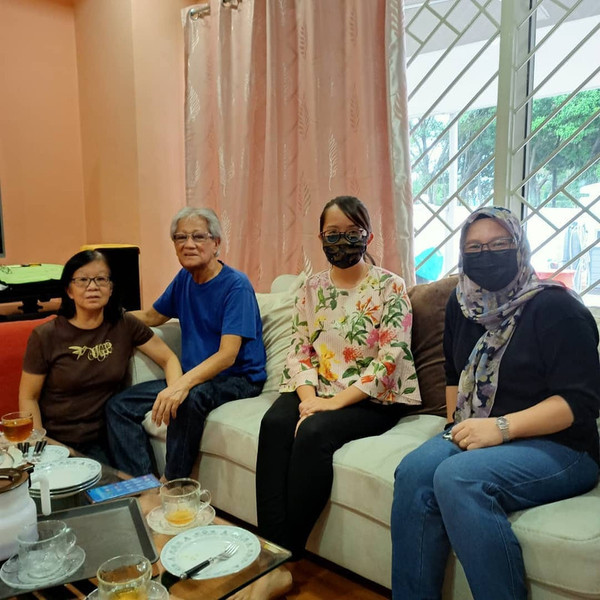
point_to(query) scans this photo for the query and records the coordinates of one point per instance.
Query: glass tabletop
(269, 558)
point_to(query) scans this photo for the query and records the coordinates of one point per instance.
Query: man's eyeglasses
(496, 245)
(84, 282)
(197, 237)
(331, 236)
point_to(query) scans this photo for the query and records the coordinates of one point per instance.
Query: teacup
(182, 500)
(17, 426)
(44, 547)
(124, 577)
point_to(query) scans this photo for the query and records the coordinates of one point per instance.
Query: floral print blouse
(359, 336)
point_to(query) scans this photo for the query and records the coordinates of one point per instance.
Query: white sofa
(561, 541)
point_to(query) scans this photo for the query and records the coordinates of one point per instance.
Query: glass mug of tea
(17, 426)
(125, 577)
(182, 500)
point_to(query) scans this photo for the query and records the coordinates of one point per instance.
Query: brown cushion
(429, 307)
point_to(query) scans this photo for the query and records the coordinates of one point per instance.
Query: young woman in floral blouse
(349, 374)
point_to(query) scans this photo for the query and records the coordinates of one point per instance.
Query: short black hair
(113, 311)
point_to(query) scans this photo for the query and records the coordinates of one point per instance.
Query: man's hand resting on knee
(167, 402)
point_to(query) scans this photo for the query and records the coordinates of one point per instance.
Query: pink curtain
(288, 104)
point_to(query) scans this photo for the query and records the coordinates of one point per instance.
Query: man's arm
(170, 398)
(150, 317)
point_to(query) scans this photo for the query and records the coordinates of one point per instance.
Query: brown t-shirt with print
(83, 368)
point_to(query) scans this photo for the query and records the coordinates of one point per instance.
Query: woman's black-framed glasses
(497, 245)
(84, 282)
(352, 236)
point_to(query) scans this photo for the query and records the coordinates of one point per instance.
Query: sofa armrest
(142, 368)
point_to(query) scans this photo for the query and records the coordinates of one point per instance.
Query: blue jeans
(445, 497)
(129, 443)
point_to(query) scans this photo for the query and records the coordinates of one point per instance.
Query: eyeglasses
(332, 236)
(496, 245)
(84, 282)
(197, 237)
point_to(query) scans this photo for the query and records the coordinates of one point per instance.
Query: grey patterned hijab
(498, 312)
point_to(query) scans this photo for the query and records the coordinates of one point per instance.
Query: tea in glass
(17, 426)
(124, 578)
(182, 500)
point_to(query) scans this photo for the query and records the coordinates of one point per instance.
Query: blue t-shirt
(225, 305)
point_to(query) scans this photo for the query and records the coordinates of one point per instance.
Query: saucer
(156, 591)
(10, 575)
(156, 520)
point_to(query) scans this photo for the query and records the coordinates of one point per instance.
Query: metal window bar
(551, 115)
(448, 163)
(552, 73)
(560, 230)
(455, 119)
(458, 77)
(559, 190)
(557, 150)
(455, 195)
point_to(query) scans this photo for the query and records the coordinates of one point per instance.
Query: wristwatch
(502, 424)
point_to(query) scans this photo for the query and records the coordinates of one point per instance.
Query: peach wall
(91, 129)
(108, 120)
(130, 57)
(159, 82)
(40, 145)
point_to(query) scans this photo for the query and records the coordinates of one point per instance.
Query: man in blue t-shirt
(223, 356)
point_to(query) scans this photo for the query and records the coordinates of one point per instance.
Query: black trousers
(294, 474)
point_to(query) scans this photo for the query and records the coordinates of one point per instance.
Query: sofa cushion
(276, 312)
(429, 308)
(565, 533)
(142, 368)
(364, 469)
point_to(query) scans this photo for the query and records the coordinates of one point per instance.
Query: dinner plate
(190, 548)
(49, 454)
(10, 457)
(9, 573)
(68, 474)
(156, 520)
(70, 491)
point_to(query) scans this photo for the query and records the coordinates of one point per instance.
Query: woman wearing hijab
(523, 390)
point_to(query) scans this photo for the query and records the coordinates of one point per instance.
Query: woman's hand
(166, 404)
(476, 433)
(312, 405)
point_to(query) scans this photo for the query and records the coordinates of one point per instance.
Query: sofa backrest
(276, 308)
(429, 308)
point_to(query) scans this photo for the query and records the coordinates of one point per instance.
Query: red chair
(13, 341)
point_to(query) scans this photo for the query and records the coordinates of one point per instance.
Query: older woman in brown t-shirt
(76, 362)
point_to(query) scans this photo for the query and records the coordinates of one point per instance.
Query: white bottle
(17, 508)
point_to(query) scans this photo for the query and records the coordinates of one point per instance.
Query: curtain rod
(202, 10)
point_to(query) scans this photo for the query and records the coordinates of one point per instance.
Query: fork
(38, 450)
(227, 553)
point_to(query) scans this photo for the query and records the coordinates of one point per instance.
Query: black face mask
(491, 270)
(343, 254)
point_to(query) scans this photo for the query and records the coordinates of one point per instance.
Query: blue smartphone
(121, 489)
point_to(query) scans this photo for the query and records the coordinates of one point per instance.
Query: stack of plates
(68, 477)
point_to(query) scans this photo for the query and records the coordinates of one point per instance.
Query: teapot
(17, 507)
